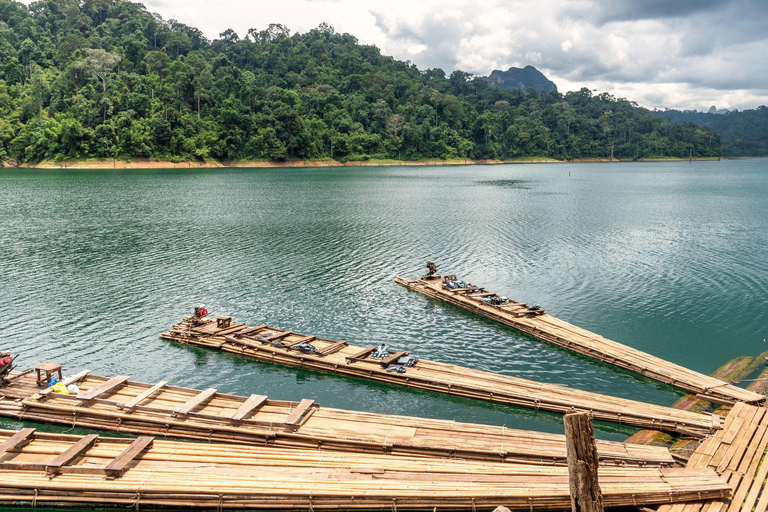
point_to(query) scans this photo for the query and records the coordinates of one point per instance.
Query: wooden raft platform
(55, 469)
(738, 454)
(137, 408)
(272, 344)
(546, 327)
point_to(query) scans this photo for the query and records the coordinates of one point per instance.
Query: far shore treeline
(107, 79)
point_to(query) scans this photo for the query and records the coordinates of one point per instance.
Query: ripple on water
(667, 258)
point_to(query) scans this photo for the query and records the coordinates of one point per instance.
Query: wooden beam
(15, 376)
(69, 380)
(581, 453)
(116, 468)
(17, 440)
(231, 329)
(103, 388)
(299, 411)
(252, 403)
(279, 336)
(335, 347)
(146, 394)
(305, 339)
(393, 358)
(195, 401)
(71, 453)
(362, 354)
(251, 329)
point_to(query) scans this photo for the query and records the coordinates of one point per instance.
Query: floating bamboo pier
(289, 348)
(537, 323)
(737, 453)
(120, 405)
(55, 469)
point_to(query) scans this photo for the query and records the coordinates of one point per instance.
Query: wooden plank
(231, 330)
(393, 358)
(195, 401)
(335, 347)
(118, 465)
(362, 354)
(304, 339)
(67, 381)
(103, 388)
(72, 453)
(252, 403)
(299, 411)
(143, 396)
(17, 440)
(251, 330)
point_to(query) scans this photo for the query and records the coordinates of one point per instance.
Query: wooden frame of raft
(138, 408)
(445, 378)
(566, 335)
(172, 474)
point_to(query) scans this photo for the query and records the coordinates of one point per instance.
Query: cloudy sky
(660, 53)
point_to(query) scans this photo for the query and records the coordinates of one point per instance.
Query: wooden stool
(48, 369)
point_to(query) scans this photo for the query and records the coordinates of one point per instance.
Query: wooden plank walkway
(547, 327)
(737, 453)
(174, 474)
(261, 421)
(445, 378)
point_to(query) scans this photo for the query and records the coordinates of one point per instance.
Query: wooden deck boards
(261, 421)
(737, 453)
(564, 334)
(457, 380)
(174, 474)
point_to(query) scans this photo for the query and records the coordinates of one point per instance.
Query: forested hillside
(107, 79)
(743, 133)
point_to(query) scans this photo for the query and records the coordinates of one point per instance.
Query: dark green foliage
(107, 79)
(743, 133)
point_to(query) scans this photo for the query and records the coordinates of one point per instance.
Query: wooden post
(582, 463)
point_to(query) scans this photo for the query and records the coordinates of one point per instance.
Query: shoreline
(212, 164)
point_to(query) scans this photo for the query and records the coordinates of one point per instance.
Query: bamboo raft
(737, 453)
(538, 324)
(120, 405)
(286, 347)
(55, 469)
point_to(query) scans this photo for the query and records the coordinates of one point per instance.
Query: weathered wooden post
(582, 463)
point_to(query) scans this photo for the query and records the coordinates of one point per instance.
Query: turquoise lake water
(666, 257)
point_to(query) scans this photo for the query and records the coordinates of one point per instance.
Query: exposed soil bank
(159, 164)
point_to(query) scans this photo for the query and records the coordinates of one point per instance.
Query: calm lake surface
(666, 257)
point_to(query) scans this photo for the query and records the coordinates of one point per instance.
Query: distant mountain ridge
(516, 78)
(743, 133)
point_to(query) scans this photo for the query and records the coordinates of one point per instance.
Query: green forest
(743, 133)
(108, 79)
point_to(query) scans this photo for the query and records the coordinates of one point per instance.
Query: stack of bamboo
(272, 344)
(738, 454)
(564, 334)
(138, 408)
(75, 470)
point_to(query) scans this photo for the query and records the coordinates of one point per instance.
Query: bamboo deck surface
(138, 408)
(56, 469)
(738, 454)
(564, 334)
(272, 344)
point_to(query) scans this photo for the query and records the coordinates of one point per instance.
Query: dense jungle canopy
(108, 79)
